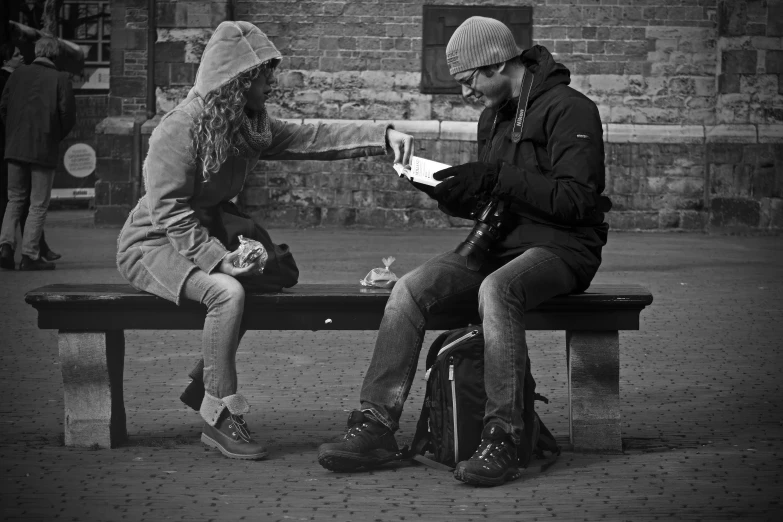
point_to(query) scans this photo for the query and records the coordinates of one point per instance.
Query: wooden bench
(91, 320)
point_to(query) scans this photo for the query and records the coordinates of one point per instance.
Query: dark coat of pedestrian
(37, 108)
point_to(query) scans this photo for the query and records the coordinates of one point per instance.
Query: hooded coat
(172, 230)
(552, 179)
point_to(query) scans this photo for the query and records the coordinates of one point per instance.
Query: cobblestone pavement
(700, 391)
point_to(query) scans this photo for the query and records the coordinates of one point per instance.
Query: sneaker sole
(209, 441)
(343, 461)
(478, 480)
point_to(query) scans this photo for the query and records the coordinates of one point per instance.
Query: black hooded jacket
(552, 179)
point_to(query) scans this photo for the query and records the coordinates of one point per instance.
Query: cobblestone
(700, 393)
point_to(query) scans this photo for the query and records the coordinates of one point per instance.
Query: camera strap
(524, 93)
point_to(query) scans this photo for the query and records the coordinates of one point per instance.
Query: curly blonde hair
(220, 121)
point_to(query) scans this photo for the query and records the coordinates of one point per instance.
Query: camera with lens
(487, 230)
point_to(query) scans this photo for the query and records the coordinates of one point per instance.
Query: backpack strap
(421, 459)
(421, 438)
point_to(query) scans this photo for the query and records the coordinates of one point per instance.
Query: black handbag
(280, 270)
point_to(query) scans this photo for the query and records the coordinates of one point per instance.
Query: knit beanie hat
(480, 41)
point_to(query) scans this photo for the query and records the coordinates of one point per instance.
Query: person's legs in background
(40, 192)
(45, 252)
(18, 191)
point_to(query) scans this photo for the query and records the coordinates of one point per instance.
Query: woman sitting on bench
(199, 156)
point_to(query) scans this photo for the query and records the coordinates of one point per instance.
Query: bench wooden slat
(313, 307)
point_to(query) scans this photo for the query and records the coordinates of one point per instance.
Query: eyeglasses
(468, 82)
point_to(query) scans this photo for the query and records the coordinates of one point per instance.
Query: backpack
(452, 416)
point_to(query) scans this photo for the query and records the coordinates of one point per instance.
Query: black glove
(465, 185)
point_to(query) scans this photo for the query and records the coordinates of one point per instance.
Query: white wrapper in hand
(249, 250)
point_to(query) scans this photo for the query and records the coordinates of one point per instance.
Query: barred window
(88, 24)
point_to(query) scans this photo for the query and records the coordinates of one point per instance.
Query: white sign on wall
(79, 160)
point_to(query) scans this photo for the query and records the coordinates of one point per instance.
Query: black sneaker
(231, 437)
(6, 257)
(29, 263)
(494, 462)
(366, 444)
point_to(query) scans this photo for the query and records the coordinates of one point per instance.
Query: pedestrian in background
(37, 108)
(12, 59)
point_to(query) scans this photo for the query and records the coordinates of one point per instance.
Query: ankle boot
(193, 395)
(231, 436)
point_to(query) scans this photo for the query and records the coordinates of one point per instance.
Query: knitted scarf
(254, 134)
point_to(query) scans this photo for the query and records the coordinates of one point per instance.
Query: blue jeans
(35, 181)
(224, 298)
(502, 292)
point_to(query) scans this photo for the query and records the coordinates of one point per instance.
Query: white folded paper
(421, 170)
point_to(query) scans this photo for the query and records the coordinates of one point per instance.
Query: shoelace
(241, 427)
(494, 450)
(355, 430)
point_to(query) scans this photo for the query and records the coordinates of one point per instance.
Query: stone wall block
(693, 220)
(728, 83)
(218, 12)
(129, 39)
(733, 212)
(668, 219)
(113, 146)
(732, 17)
(166, 14)
(773, 62)
(170, 51)
(162, 74)
(182, 73)
(122, 194)
(771, 213)
(128, 86)
(774, 19)
(102, 193)
(113, 170)
(739, 62)
(372, 217)
(725, 152)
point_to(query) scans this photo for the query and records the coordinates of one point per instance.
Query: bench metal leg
(594, 390)
(92, 366)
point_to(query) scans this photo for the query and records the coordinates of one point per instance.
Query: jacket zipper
(454, 409)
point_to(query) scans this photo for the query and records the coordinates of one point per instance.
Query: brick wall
(673, 81)
(128, 82)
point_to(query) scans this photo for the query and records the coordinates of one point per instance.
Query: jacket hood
(233, 48)
(548, 72)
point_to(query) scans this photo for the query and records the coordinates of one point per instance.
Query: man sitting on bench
(539, 233)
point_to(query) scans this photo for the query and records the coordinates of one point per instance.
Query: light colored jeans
(224, 298)
(39, 180)
(502, 294)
